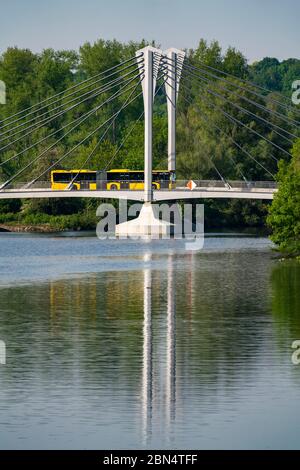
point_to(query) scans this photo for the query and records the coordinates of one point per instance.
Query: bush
(10, 206)
(56, 206)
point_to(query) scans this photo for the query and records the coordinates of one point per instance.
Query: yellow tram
(109, 180)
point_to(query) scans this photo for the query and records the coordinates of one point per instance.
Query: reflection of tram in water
(109, 180)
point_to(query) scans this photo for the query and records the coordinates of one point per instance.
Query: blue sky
(258, 28)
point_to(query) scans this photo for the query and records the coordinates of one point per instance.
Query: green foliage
(132, 153)
(235, 214)
(59, 206)
(10, 206)
(285, 282)
(86, 221)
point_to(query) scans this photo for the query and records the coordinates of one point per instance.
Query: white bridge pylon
(174, 63)
(148, 222)
(149, 69)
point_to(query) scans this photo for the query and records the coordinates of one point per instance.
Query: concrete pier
(147, 224)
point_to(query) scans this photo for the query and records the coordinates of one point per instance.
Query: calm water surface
(143, 345)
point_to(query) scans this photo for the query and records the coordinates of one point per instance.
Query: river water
(125, 344)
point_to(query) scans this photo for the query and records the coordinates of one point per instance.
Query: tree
(17, 72)
(267, 73)
(55, 71)
(284, 216)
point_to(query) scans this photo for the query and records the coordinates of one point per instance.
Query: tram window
(61, 177)
(84, 176)
(136, 176)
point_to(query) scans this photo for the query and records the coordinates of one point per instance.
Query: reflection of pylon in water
(171, 347)
(147, 374)
(190, 285)
(151, 404)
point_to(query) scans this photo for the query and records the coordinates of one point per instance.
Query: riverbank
(45, 223)
(45, 228)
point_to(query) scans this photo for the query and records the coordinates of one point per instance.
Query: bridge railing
(183, 184)
(235, 184)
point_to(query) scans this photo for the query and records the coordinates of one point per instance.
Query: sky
(258, 28)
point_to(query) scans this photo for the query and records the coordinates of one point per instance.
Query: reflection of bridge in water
(190, 361)
(156, 348)
(163, 330)
(168, 373)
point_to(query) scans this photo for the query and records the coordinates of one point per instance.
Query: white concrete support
(148, 106)
(146, 225)
(174, 63)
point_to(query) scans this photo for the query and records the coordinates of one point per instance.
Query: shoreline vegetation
(284, 213)
(26, 221)
(30, 77)
(55, 215)
(62, 225)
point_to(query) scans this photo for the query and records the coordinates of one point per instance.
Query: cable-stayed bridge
(148, 73)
